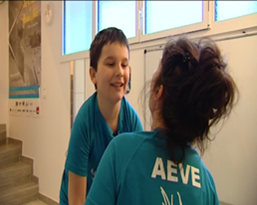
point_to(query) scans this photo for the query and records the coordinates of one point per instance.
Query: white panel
(232, 155)
(137, 82)
(89, 86)
(78, 101)
(151, 64)
(79, 80)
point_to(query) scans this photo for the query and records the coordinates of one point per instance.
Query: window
(120, 14)
(165, 15)
(148, 20)
(225, 10)
(77, 26)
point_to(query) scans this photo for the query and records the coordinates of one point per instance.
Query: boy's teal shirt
(89, 138)
(135, 169)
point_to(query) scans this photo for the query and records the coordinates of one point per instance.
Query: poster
(24, 57)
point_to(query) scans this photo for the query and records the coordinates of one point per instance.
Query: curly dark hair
(198, 92)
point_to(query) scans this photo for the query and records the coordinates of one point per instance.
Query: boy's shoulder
(125, 103)
(89, 102)
(128, 108)
(87, 109)
(88, 106)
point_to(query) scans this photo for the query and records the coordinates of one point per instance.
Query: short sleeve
(215, 195)
(79, 146)
(216, 199)
(137, 127)
(103, 190)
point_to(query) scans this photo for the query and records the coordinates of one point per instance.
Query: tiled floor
(37, 202)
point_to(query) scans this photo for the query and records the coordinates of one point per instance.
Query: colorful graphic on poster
(24, 49)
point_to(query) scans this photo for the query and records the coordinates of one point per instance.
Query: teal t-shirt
(89, 139)
(135, 169)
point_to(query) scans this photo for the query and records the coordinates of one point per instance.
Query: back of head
(104, 37)
(198, 91)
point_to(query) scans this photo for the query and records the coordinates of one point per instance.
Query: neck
(110, 112)
(158, 121)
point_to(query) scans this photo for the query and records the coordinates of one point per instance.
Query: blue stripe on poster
(35, 87)
(24, 96)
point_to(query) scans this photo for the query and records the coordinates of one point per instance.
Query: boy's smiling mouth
(117, 84)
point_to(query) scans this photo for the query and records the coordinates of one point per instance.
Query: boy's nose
(119, 70)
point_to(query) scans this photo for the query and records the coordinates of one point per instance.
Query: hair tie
(186, 57)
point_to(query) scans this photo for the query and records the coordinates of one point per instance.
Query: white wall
(45, 139)
(4, 78)
(230, 157)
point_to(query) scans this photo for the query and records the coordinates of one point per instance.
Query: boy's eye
(124, 65)
(110, 64)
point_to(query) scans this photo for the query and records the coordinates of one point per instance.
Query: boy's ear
(92, 74)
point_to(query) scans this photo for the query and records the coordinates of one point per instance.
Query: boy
(104, 115)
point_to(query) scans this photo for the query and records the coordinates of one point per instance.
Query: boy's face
(112, 74)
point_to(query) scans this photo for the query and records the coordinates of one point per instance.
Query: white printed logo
(93, 172)
(166, 199)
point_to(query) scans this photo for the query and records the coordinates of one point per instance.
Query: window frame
(208, 28)
(63, 45)
(96, 21)
(235, 24)
(204, 25)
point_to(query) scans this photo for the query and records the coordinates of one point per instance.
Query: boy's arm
(77, 160)
(77, 189)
